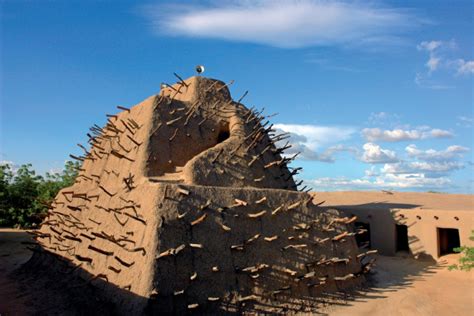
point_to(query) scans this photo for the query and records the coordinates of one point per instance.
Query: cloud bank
(413, 168)
(373, 153)
(449, 153)
(397, 135)
(389, 181)
(285, 24)
(309, 139)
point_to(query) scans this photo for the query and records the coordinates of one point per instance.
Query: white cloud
(396, 135)
(437, 51)
(325, 156)
(390, 181)
(436, 167)
(414, 180)
(430, 46)
(376, 134)
(309, 139)
(437, 133)
(433, 63)
(464, 67)
(429, 169)
(341, 184)
(403, 175)
(431, 154)
(465, 121)
(415, 176)
(315, 136)
(440, 57)
(371, 172)
(419, 169)
(287, 24)
(373, 153)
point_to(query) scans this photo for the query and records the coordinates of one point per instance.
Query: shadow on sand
(398, 270)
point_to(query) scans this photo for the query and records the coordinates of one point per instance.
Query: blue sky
(377, 94)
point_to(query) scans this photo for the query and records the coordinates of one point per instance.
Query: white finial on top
(200, 69)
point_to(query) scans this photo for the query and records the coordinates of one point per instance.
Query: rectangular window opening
(448, 239)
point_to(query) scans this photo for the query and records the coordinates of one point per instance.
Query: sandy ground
(400, 285)
(404, 286)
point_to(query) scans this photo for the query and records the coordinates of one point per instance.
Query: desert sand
(417, 200)
(404, 286)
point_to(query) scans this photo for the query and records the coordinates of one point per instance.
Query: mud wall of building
(105, 222)
(382, 227)
(423, 228)
(223, 247)
(211, 140)
(179, 134)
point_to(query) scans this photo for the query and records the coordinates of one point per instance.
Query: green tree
(25, 196)
(22, 193)
(6, 176)
(466, 262)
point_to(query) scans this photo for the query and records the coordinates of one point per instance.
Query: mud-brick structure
(184, 203)
(424, 225)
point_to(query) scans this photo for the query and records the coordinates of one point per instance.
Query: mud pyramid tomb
(184, 203)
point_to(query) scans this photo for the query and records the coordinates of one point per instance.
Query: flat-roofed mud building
(422, 224)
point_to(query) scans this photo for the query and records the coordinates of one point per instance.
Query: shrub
(25, 196)
(466, 262)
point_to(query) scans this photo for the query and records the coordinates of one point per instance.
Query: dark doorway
(402, 238)
(223, 135)
(448, 239)
(363, 236)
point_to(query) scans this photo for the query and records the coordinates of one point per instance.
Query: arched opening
(223, 135)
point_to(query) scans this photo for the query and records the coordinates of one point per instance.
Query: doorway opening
(448, 239)
(363, 238)
(402, 238)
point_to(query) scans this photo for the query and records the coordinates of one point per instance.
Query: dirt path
(401, 286)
